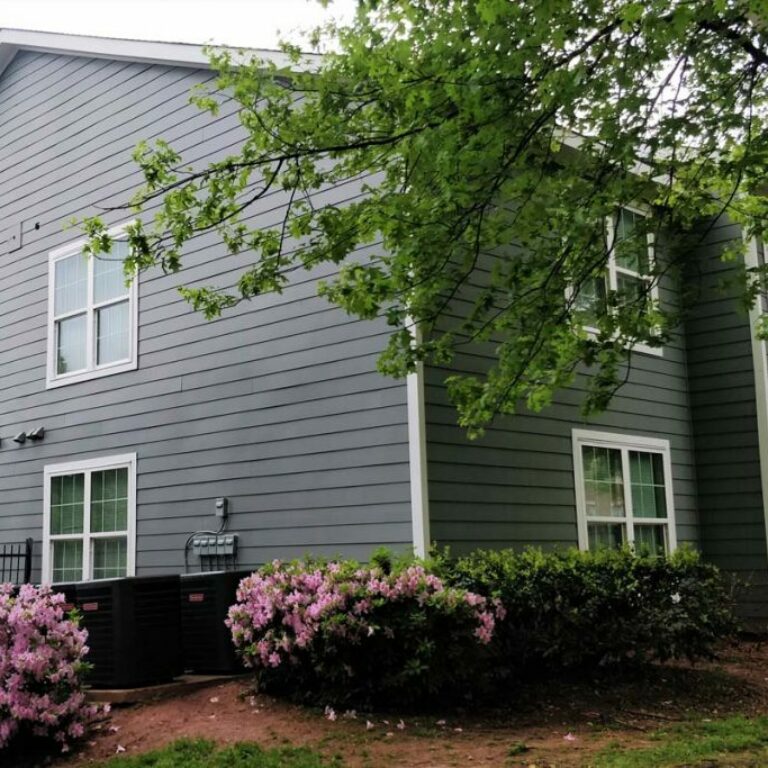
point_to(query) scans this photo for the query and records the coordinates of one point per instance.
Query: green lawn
(733, 741)
(205, 754)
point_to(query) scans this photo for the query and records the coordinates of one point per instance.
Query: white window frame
(613, 270)
(87, 467)
(92, 371)
(625, 444)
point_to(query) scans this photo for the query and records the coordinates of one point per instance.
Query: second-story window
(628, 272)
(91, 313)
(629, 269)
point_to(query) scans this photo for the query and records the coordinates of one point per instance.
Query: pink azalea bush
(42, 654)
(339, 631)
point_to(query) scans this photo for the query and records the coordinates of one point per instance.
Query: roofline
(150, 52)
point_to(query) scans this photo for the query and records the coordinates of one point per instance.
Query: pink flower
(286, 610)
(41, 657)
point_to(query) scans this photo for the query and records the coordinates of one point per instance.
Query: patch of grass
(205, 754)
(691, 743)
(518, 748)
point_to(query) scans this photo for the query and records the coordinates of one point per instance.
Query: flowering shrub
(41, 665)
(342, 632)
(580, 609)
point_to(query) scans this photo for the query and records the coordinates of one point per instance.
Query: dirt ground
(559, 724)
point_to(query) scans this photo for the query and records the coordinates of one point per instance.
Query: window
(623, 491)
(628, 272)
(92, 314)
(90, 520)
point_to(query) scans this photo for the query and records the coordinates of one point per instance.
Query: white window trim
(93, 372)
(89, 465)
(613, 270)
(584, 437)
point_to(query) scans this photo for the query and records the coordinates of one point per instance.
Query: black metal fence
(16, 563)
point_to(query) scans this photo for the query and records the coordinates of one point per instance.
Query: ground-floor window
(90, 519)
(623, 491)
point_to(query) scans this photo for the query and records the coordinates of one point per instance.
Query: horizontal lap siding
(515, 485)
(277, 405)
(722, 386)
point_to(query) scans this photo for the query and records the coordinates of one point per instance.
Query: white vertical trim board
(417, 453)
(760, 365)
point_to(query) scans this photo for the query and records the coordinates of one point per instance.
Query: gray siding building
(151, 413)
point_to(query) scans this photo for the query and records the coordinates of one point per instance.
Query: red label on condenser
(196, 597)
(68, 607)
(90, 607)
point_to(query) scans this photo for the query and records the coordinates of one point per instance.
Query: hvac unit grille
(133, 629)
(206, 641)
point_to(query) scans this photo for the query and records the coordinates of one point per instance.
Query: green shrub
(404, 631)
(568, 609)
(342, 633)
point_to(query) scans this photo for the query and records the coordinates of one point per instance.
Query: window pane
(108, 274)
(67, 504)
(603, 482)
(70, 284)
(109, 500)
(631, 246)
(589, 304)
(650, 539)
(605, 535)
(71, 344)
(626, 222)
(632, 290)
(67, 561)
(110, 558)
(646, 471)
(112, 333)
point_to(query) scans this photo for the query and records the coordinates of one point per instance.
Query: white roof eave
(150, 52)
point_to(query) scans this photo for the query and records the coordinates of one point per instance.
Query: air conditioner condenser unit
(206, 642)
(133, 630)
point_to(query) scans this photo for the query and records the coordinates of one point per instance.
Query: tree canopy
(495, 139)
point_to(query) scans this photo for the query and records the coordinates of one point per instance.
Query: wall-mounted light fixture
(34, 435)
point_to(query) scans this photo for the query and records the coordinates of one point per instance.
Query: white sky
(246, 23)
